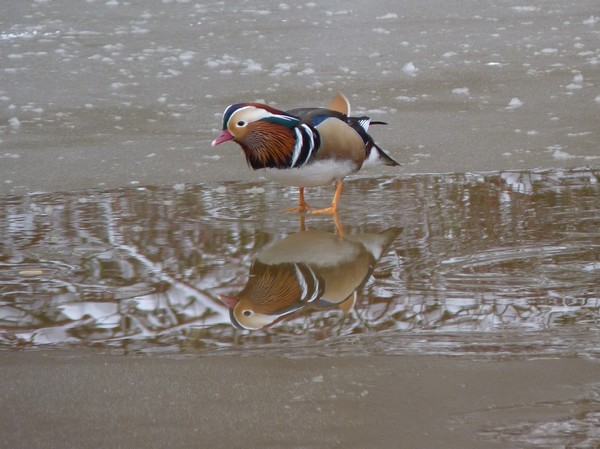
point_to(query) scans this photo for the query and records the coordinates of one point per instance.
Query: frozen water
(409, 69)
(514, 103)
(89, 89)
(14, 123)
(461, 91)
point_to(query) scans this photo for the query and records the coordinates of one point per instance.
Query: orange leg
(302, 204)
(332, 209)
(339, 228)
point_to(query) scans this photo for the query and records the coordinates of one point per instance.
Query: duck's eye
(247, 312)
(241, 123)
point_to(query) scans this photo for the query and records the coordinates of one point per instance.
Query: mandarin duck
(303, 147)
(311, 269)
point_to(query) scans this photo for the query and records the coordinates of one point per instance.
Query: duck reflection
(312, 269)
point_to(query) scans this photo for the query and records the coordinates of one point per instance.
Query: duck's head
(241, 119)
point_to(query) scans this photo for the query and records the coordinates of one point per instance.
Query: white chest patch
(316, 174)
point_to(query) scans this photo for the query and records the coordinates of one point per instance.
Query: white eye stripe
(247, 114)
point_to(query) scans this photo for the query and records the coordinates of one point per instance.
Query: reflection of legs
(348, 304)
(302, 204)
(332, 209)
(302, 223)
(339, 228)
(338, 224)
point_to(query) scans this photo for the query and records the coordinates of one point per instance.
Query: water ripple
(501, 264)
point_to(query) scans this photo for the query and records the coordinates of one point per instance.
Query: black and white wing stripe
(307, 142)
(310, 285)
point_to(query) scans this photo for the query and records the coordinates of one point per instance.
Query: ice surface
(514, 103)
(409, 69)
(80, 81)
(461, 91)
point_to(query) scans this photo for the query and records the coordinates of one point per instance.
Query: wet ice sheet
(499, 264)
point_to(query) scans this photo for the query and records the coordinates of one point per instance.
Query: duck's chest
(314, 174)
